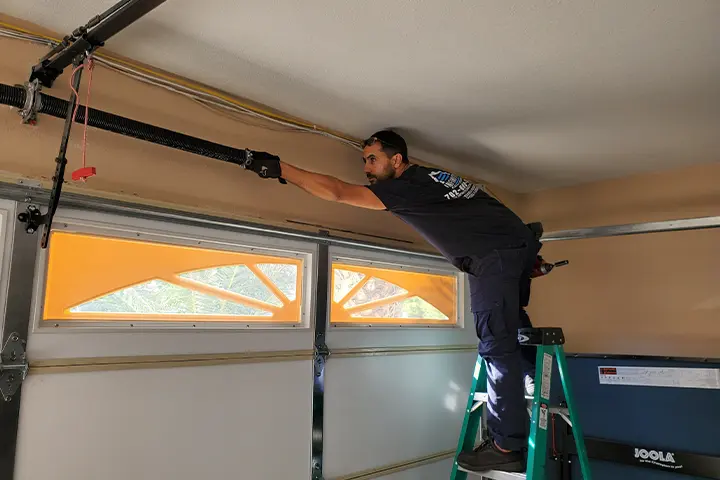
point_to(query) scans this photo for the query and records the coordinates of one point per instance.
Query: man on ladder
(478, 235)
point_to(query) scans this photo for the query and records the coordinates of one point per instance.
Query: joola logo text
(663, 459)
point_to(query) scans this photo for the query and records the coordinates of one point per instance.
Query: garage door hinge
(13, 366)
(321, 353)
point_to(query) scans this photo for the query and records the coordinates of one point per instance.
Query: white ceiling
(525, 94)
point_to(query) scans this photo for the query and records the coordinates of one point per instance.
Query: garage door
(175, 349)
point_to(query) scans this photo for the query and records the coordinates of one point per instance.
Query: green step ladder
(549, 342)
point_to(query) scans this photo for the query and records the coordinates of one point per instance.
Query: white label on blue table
(661, 377)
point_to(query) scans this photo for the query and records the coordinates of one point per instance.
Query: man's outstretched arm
(331, 188)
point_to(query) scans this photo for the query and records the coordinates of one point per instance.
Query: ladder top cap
(541, 336)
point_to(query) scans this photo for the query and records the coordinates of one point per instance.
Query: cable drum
(56, 107)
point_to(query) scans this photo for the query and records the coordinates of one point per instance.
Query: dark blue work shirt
(453, 214)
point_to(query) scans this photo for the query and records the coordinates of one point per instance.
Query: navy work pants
(499, 291)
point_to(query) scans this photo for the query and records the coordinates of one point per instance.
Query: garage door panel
(386, 410)
(70, 344)
(183, 423)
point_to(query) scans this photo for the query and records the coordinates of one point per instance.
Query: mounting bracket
(13, 366)
(32, 218)
(33, 101)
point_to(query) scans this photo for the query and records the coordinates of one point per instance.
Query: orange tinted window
(368, 295)
(103, 278)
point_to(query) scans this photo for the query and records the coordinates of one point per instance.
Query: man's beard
(389, 175)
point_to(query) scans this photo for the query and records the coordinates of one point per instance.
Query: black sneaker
(488, 457)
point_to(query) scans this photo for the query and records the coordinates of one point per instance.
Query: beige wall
(662, 298)
(653, 294)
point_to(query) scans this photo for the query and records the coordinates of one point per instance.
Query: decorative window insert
(371, 295)
(101, 278)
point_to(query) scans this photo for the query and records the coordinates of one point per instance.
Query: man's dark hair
(392, 143)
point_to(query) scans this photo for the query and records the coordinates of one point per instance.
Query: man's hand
(264, 164)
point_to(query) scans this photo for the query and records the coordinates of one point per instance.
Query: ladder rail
(471, 421)
(577, 429)
(537, 440)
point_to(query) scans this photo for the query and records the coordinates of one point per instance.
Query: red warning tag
(83, 173)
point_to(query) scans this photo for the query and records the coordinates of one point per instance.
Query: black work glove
(264, 164)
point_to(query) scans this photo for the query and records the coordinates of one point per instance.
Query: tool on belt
(542, 267)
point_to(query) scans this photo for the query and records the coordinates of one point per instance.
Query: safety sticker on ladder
(546, 376)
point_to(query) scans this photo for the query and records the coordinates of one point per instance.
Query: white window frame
(401, 262)
(8, 217)
(118, 226)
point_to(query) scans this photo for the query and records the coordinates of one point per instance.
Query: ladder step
(495, 474)
(483, 397)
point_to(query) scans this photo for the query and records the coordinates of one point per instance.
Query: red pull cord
(85, 172)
